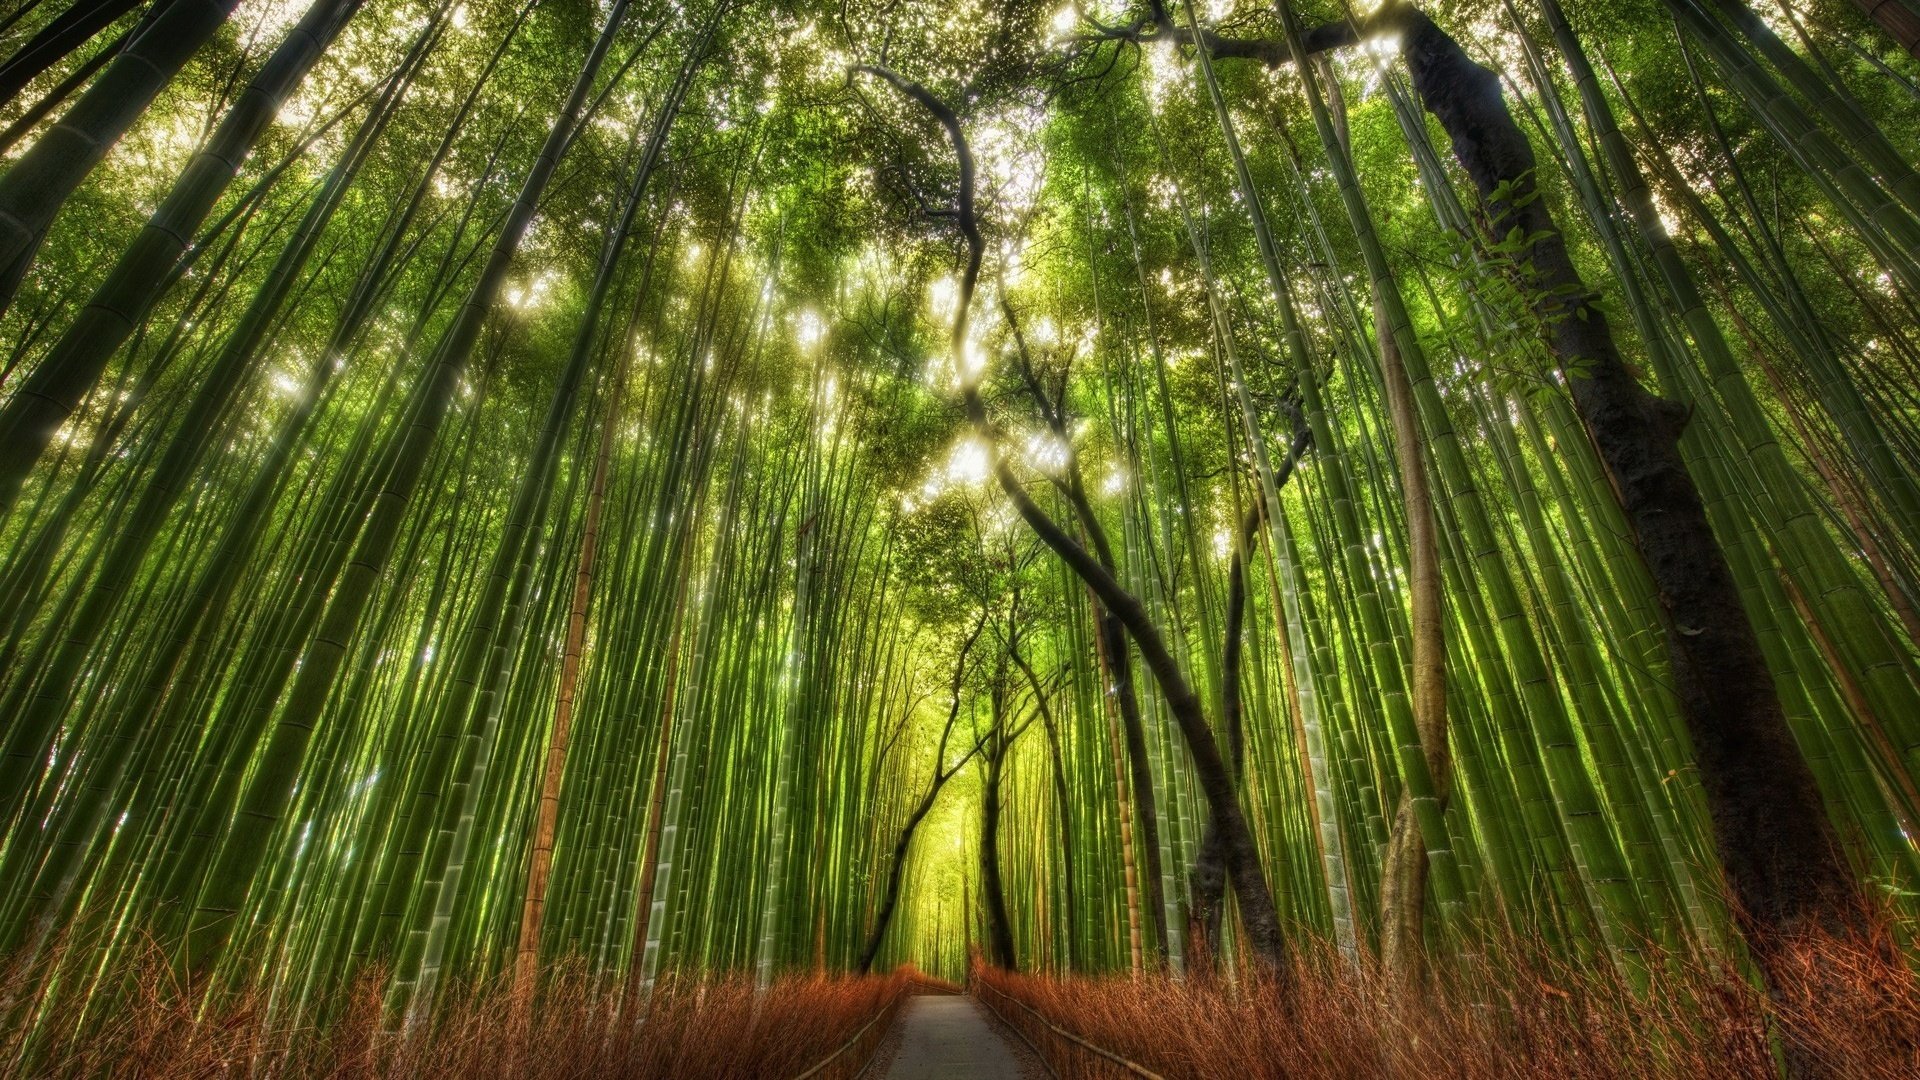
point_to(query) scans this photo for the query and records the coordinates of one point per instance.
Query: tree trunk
(267, 792)
(1776, 845)
(1209, 876)
(1403, 876)
(53, 390)
(1403, 883)
(1123, 803)
(1000, 948)
(38, 184)
(1063, 806)
(1901, 22)
(57, 40)
(1146, 818)
(1116, 662)
(540, 863)
(896, 874)
(1257, 910)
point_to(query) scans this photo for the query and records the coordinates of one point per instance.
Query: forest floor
(950, 1037)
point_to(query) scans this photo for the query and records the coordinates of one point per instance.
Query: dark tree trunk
(1900, 22)
(1242, 858)
(1265, 939)
(1117, 659)
(57, 40)
(1064, 803)
(895, 875)
(1207, 907)
(1208, 879)
(69, 371)
(1000, 948)
(1063, 800)
(942, 772)
(54, 97)
(37, 184)
(1778, 849)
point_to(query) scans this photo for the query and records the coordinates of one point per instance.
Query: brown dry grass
(716, 1027)
(1515, 1011)
(1519, 1014)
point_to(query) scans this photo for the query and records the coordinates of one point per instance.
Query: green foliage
(799, 526)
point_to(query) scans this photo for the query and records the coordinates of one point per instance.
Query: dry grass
(694, 1028)
(1521, 1014)
(1515, 1011)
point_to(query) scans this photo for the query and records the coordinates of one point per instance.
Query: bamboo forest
(960, 538)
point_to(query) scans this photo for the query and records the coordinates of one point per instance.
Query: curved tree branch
(1262, 921)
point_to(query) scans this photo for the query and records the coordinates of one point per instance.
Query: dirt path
(949, 1037)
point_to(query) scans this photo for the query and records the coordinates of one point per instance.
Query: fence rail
(924, 986)
(1055, 1035)
(819, 1070)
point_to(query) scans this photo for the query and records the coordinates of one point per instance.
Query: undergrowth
(1514, 1012)
(717, 1027)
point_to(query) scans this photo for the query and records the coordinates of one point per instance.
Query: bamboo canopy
(1136, 488)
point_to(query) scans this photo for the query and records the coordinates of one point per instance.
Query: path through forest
(949, 1037)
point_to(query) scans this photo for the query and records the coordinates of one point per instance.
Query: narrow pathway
(949, 1037)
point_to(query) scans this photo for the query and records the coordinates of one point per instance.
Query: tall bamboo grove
(665, 489)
